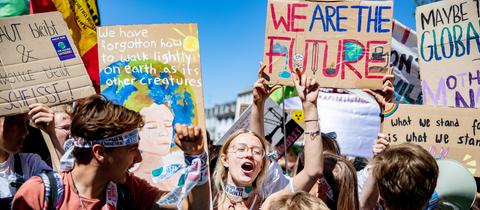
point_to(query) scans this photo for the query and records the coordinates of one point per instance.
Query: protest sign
(447, 133)
(449, 52)
(343, 44)
(274, 132)
(39, 63)
(154, 70)
(407, 87)
(340, 110)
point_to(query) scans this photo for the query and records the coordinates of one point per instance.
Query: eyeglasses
(243, 150)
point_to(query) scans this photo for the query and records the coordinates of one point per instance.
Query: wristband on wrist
(311, 120)
(204, 169)
(313, 134)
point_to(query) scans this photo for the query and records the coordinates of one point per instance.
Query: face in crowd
(244, 159)
(13, 133)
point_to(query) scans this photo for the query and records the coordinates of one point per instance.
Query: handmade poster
(407, 85)
(154, 70)
(274, 132)
(343, 44)
(341, 110)
(39, 63)
(449, 52)
(446, 132)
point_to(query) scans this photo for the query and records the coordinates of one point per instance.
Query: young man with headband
(105, 146)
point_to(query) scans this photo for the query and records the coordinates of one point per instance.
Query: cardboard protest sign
(449, 52)
(39, 63)
(407, 85)
(343, 44)
(274, 132)
(447, 133)
(154, 70)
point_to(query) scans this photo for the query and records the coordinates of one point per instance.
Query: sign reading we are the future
(446, 132)
(343, 44)
(449, 57)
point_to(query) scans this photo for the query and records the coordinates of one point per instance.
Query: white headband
(124, 139)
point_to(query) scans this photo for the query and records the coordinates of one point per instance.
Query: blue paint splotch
(279, 48)
(284, 74)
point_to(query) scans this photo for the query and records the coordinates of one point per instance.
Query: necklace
(234, 203)
(82, 205)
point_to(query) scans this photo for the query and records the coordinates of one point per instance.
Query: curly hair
(406, 175)
(97, 118)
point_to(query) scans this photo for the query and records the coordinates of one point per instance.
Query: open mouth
(247, 167)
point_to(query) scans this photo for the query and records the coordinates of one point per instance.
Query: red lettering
(270, 52)
(348, 63)
(300, 17)
(315, 55)
(285, 23)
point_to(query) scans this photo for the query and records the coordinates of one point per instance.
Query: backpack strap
(53, 188)
(18, 172)
(124, 197)
(17, 164)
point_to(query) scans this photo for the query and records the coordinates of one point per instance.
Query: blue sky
(231, 35)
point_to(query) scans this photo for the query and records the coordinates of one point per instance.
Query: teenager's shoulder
(30, 195)
(33, 164)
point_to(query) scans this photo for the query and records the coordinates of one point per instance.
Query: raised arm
(190, 140)
(369, 196)
(44, 119)
(307, 89)
(261, 91)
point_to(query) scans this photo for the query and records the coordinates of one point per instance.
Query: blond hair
(221, 172)
(298, 201)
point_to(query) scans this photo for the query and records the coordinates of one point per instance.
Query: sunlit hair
(63, 108)
(329, 145)
(342, 178)
(406, 175)
(298, 201)
(221, 172)
(96, 118)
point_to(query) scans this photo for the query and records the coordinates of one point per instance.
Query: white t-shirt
(32, 165)
(362, 177)
(275, 180)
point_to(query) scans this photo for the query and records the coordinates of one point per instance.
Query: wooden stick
(54, 153)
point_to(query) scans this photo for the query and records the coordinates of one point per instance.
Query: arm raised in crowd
(307, 89)
(261, 91)
(190, 140)
(44, 119)
(369, 195)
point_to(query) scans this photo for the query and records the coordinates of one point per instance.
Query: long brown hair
(341, 176)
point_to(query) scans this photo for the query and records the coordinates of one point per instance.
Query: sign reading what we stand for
(446, 132)
(449, 52)
(344, 44)
(39, 63)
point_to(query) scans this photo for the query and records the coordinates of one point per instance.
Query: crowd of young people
(103, 142)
